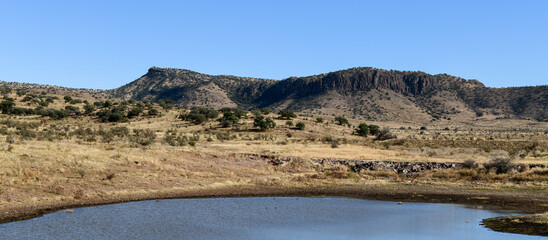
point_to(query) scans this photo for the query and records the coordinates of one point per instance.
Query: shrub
(6, 106)
(287, 114)
(341, 120)
(334, 143)
(73, 110)
(88, 109)
(385, 134)
(134, 112)
(362, 130)
(75, 101)
(174, 139)
(110, 176)
(263, 123)
(469, 163)
(499, 164)
(82, 172)
(195, 118)
(319, 120)
(300, 125)
(222, 136)
(21, 93)
(289, 123)
(199, 115)
(10, 139)
(327, 139)
(153, 112)
(229, 118)
(374, 129)
(166, 104)
(266, 110)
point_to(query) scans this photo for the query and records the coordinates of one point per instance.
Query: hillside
(188, 88)
(361, 93)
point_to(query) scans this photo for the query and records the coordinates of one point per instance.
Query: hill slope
(367, 93)
(190, 88)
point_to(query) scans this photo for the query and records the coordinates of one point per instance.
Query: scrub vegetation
(57, 148)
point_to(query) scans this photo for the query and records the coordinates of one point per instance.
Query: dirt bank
(524, 201)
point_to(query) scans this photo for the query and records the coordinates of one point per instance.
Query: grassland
(80, 160)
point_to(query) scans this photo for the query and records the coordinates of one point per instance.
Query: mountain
(188, 88)
(366, 93)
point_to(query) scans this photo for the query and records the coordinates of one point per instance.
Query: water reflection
(262, 218)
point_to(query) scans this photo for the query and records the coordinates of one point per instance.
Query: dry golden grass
(80, 167)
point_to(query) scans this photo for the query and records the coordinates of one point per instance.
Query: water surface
(262, 218)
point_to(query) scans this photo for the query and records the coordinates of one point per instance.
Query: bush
(229, 118)
(300, 126)
(239, 113)
(143, 137)
(266, 110)
(174, 139)
(199, 115)
(341, 120)
(362, 130)
(153, 112)
(75, 101)
(6, 106)
(287, 114)
(263, 123)
(385, 134)
(499, 164)
(319, 120)
(166, 104)
(469, 163)
(289, 123)
(73, 111)
(82, 172)
(88, 109)
(334, 143)
(374, 129)
(111, 116)
(195, 118)
(134, 112)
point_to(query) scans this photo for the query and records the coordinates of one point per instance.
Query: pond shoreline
(524, 201)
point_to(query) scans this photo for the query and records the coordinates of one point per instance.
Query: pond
(262, 218)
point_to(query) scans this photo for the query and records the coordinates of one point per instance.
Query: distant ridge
(361, 93)
(364, 92)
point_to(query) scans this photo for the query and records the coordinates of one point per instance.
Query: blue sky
(105, 44)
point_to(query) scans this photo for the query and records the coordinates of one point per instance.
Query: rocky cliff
(368, 93)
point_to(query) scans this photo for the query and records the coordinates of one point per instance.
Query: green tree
(263, 123)
(289, 123)
(153, 112)
(266, 110)
(362, 130)
(88, 109)
(374, 129)
(134, 112)
(67, 99)
(229, 118)
(287, 114)
(341, 120)
(300, 126)
(6, 106)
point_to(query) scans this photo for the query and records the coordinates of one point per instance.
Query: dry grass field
(80, 157)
